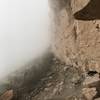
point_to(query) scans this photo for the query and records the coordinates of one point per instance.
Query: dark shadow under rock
(90, 12)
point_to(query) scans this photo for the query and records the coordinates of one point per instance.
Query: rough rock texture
(89, 93)
(76, 44)
(76, 29)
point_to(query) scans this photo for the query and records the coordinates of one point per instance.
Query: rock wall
(76, 32)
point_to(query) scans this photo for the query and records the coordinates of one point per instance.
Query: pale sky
(23, 32)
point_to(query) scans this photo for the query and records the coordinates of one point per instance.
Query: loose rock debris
(63, 82)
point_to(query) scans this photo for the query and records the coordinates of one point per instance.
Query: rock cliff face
(76, 28)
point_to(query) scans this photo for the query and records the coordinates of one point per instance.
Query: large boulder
(76, 32)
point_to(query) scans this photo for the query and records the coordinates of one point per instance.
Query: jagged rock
(76, 29)
(89, 93)
(91, 80)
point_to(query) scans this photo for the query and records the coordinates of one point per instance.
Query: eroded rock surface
(76, 43)
(76, 29)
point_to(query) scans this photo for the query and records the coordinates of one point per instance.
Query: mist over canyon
(23, 32)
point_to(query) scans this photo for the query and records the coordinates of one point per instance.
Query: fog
(23, 32)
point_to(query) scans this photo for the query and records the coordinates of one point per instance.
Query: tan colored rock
(89, 93)
(91, 80)
(93, 66)
(76, 31)
(97, 99)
